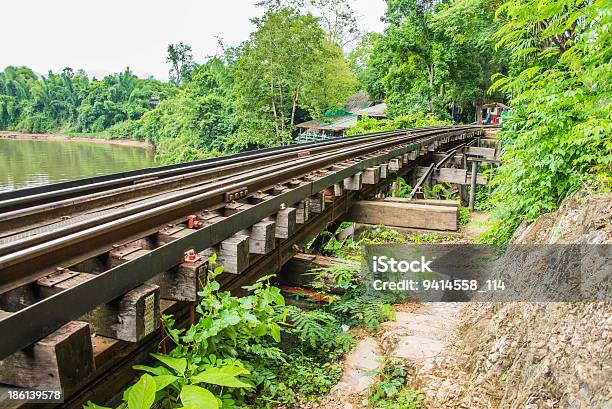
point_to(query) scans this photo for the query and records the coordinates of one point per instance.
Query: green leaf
(158, 370)
(178, 364)
(222, 376)
(197, 397)
(163, 380)
(275, 331)
(142, 394)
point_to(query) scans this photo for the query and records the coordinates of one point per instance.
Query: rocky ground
(501, 355)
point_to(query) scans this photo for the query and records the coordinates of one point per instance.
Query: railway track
(58, 226)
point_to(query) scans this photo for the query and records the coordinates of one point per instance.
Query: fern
(313, 327)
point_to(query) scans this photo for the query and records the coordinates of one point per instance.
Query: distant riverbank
(65, 138)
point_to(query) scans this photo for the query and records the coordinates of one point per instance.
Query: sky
(105, 36)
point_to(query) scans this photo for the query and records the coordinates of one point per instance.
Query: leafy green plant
(390, 391)
(381, 235)
(430, 238)
(464, 215)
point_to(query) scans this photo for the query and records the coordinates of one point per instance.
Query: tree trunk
(294, 107)
(274, 106)
(282, 105)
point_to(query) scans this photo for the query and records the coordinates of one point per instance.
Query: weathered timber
(371, 175)
(452, 175)
(302, 211)
(317, 203)
(233, 254)
(353, 182)
(285, 222)
(60, 360)
(182, 282)
(404, 215)
(384, 170)
(338, 189)
(487, 153)
(430, 202)
(395, 165)
(261, 237)
(130, 317)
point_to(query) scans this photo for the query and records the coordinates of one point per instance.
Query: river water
(27, 163)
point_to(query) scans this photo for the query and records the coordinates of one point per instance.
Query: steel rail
(71, 189)
(30, 260)
(15, 221)
(37, 320)
(241, 177)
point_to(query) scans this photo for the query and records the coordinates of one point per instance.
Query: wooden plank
(130, 317)
(353, 182)
(317, 203)
(233, 254)
(285, 222)
(262, 237)
(371, 176)
(302, 211)
(433, 202)
(384, 170)
(182, 282)
(63, 359)
(404, 215)
(488, 153)
(338, 189)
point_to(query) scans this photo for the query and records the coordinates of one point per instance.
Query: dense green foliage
(559, 131)
(70, 100)
(414, 120)
(419, 65)
(254, 351)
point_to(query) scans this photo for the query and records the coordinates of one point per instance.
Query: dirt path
(68, 138)
(418, 335)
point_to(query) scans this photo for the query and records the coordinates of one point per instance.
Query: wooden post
(63, 359)
(473, 184)
(130, 317)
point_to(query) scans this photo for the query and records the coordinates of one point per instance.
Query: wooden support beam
(233, 254)
(317, 203)
(487, 153)
(429, 202)
(262, 237)
(452, 175)
(395, 165)
(353, 182)
(404, 215)
(371, 176)
(130, 317)
(338, 189)
(302, 211)
(285, 222)
(384, 170)
(182, 282)
(63, 359)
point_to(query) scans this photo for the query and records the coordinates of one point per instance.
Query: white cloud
(107, 36)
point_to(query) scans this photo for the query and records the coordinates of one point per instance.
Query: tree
(336, 17)
(180, 58)
(288, 65)
(417, 67)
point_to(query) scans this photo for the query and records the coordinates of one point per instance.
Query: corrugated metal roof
(333, 123)
(375, 110)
